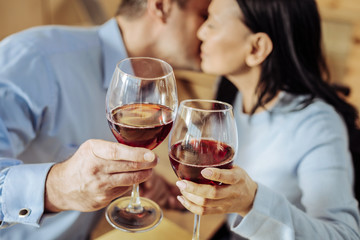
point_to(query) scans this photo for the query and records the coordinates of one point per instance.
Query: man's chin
(189, 66)
(195, 65)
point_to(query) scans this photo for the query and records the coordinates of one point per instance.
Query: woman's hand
(235, 195)
(97, 173)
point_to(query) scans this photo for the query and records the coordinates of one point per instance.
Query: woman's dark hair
(296, 64)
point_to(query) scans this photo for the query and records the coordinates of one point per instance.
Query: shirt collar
(113, 49)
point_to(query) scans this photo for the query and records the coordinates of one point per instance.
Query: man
(53, 82)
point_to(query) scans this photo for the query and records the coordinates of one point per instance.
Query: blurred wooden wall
(341, 27)
(16, 15)
(341, 20)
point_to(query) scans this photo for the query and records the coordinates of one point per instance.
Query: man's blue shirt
(53, 83)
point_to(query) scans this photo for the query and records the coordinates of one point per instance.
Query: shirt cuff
(23, 193)
(263, 221)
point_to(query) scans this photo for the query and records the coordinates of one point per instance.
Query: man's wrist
(52, 197)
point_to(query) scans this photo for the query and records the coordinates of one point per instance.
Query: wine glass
(204, 135)
(141, 105)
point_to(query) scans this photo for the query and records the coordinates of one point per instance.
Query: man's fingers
(129, 178)
(116, 151)
(118, 191)
(126, 166)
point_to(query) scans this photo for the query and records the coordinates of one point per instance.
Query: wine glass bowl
(141, 105)
(145, 128)
(204, 135)
(188, 160)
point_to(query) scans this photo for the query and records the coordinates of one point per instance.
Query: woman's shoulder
(316, 118)
(300, 105)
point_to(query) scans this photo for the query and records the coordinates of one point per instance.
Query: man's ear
(159, 8)
(262, 46)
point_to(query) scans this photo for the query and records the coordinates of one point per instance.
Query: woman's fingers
(205, 202)
(203, 190)
(226, 176)
(236, 194)
(200, 210)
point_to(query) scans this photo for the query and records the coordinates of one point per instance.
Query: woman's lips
(202, 54)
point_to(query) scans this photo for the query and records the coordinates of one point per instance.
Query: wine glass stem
(135, 204)
(196, 232)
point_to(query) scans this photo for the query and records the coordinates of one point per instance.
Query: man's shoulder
(54, 38)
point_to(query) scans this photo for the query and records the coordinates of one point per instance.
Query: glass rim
(229, 106)
(171, 70)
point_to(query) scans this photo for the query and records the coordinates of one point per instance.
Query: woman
(294, 174)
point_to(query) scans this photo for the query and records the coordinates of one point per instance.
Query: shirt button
(24, 212)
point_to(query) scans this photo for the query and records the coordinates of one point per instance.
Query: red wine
(141, 124)
(189, 159)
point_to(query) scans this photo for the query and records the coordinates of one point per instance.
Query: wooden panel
(166, 230)
(16, 15)
(352, 72)
(342, 10)
(109, 6)
(67, 12)
(342, 43)
(337, 47)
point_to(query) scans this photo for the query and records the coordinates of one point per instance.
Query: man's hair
(135, 8)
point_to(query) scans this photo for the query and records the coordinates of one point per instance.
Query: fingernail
(149, 156)
(181, 185)
(207, 172)
(181, 199)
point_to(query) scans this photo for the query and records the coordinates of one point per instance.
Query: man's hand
(97, 173)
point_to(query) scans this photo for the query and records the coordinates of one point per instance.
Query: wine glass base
(118, 215)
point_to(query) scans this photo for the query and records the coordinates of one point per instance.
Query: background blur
(341, 29)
